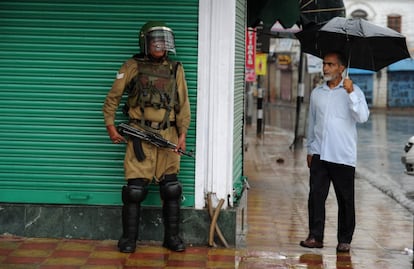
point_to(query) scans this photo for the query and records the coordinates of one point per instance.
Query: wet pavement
(381, 145)
(277, 221)
(384, 229)
(381, 142)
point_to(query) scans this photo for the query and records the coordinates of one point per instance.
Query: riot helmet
(157, 34)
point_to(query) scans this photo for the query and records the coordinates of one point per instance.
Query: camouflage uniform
(158, 161)
(158, 102)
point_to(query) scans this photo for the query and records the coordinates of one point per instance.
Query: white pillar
(214, 161)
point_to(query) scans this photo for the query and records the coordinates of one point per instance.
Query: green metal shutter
(239, 99)
(58, 60)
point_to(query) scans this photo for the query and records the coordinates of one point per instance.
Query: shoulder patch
(119, 75)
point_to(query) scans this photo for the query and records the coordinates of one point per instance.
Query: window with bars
(394, 22)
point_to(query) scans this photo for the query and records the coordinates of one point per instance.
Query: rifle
(153, 138)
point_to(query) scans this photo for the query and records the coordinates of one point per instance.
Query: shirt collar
(339, 86)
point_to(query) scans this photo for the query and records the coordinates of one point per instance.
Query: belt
(153, 124)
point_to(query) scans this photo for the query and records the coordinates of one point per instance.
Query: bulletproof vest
(154, 86)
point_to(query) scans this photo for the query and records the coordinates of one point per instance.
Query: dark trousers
(322, 173)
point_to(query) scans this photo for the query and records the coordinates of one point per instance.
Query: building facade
(392, 86)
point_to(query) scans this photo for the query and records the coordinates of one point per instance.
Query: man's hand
(348, 85)
(181, 143)
(309, 160)
(114, 135)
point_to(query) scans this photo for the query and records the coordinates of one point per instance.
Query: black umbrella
(364, 44)
(291, 12)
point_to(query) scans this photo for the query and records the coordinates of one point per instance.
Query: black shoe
(174, 243)
(343, 247)
(311, 242)
(126, 246)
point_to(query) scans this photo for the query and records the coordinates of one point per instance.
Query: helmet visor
(161, 39)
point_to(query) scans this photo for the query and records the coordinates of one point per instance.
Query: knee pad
(170, 188)
(134, 192)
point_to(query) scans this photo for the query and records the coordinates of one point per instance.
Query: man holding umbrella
(335, 108)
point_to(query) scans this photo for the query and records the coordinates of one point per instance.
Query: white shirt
(333, 115)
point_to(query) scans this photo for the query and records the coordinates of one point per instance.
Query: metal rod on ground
(213, 225)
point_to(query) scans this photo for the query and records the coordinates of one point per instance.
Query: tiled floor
(88, 254)
(277, 221)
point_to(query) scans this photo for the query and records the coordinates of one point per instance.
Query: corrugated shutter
(58, 61)
(366, 84)
(400, 89)
(239, 98)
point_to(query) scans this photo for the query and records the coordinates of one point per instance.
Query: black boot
(171, 214)
(171, 191)
(130, 221)
(132, 196)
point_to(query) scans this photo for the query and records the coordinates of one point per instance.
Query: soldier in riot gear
(157, 102)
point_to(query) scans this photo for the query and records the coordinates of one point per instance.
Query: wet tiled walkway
(277, 221)
(65, 254)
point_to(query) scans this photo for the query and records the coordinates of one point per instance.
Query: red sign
(250, 54)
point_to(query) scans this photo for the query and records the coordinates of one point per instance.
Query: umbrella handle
(347, 67)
